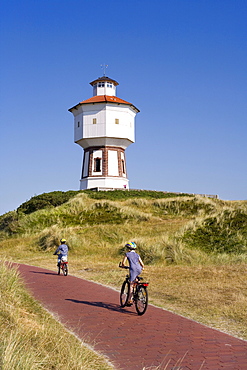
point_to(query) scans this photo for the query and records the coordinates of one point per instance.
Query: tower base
(105, 183)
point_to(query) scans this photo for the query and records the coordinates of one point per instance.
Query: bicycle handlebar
(123, 267)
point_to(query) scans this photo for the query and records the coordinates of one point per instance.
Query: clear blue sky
(183, 63)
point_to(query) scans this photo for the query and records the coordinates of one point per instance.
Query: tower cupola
(104, 86)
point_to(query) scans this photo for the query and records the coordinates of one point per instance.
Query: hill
(194, 247)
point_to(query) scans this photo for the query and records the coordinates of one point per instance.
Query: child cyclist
(135, 265)
(62, 252)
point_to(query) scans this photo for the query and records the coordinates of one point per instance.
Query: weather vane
(104, 66)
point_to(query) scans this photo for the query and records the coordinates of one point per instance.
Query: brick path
(130, 341)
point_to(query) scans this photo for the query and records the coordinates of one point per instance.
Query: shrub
(49, 238)
(46, 200)
(222, 233)
(7, 219)
(149, 254)
(9, 224)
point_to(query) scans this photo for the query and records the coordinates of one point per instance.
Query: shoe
(129, 303)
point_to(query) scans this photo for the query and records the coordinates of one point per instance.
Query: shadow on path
(108, 306)
(45, 273)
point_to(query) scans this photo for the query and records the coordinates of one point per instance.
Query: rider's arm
(123, 261)
(141, 263)
(56, 251)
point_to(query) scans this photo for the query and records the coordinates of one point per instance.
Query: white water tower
(104, 126)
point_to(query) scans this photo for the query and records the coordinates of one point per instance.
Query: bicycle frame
(136, 284)
(139, 294)
(64, 267)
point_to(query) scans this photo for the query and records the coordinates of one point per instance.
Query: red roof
(105, 99)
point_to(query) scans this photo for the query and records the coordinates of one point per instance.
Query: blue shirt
(134, 265)
(62, 250)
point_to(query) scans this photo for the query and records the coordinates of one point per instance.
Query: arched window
(97, 165)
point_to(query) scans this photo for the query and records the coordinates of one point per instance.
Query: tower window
(94, 121)
(123, 166)
(97, 165)
(101, 84)
(109, 84)
(78, 124)
(116, 121)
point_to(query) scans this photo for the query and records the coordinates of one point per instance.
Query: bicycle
(140, 293)
(62, 265)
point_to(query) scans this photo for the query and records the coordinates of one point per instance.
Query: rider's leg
(130, 298)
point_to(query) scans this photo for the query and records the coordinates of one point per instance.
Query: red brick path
(130, 341)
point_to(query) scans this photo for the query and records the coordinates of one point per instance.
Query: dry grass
(32, 338)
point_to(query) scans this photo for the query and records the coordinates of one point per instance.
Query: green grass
(56, 198)
(127, 194)
(224, 232)
(46, 200)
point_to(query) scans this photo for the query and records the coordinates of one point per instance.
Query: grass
(194, 248)
(224, 232)
(32, 338)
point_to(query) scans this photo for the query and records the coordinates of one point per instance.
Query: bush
(223, 233)
(9, 222)
(149, 254)
(48, 240)
(46, 200)
(7, 218)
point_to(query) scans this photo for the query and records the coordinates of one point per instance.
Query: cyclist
(135, 265)
(62, 252)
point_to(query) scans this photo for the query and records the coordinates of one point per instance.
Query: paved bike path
(130, 341)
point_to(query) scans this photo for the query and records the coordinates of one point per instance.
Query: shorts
(62, 259)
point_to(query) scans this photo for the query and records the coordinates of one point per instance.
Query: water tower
(104, 126)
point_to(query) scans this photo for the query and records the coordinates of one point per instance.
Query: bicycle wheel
(141, 299)
(58, 268)
(65, 269)
(124, 294)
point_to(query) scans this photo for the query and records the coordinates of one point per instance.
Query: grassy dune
(194, 248)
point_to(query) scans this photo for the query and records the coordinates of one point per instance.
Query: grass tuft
(223, 232)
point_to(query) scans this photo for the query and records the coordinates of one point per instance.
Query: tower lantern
(104, 126)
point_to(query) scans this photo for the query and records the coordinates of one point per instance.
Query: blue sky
(181, 62)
